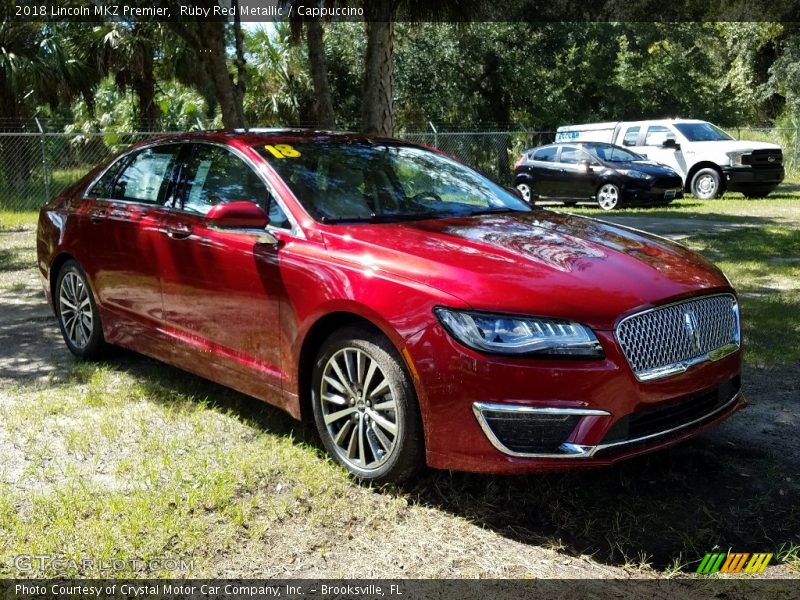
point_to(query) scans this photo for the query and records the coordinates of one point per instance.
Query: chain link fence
(37, 165)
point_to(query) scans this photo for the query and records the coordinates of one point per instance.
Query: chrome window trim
(567, 450)
(684, 365)
(295, 230)
(576, 450)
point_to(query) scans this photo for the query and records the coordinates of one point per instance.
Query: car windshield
(339, 181)
(611, 153)
(702, 132)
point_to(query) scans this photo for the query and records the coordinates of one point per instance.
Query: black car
(610, 175)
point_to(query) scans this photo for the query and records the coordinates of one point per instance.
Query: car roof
(255, 136)
(576, 143)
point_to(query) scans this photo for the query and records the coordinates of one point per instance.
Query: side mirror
(671, 143)
(585, 165)
(239, 214)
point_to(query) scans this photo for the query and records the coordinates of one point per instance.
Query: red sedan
(417, 311)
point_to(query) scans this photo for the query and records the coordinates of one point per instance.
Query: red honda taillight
(519, 160)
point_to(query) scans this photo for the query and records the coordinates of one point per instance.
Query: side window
(102, 187)
(656, 134)
(547, 154)
(572, 155)
(631, 136)
(214, 175)
(145, 177)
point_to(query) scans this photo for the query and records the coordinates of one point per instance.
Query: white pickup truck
(709, 160)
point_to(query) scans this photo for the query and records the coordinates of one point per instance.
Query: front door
(222, 288)
(652, 146)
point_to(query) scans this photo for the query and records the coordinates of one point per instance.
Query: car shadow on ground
(666, 509)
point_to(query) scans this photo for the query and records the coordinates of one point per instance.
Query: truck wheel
(706, 184)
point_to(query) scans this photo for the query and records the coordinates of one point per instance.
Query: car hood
(736, 145)
(539, 263)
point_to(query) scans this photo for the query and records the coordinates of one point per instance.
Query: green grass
(15, 221)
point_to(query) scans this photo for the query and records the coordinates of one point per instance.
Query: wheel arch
(316, 335)
(703, 164)
(55, 268)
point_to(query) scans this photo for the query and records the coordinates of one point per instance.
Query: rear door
(127, 276)
(544, 169)
(222, 289)
(575, 178)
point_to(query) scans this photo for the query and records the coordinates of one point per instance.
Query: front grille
(673, 415)
(667, 340)
(667, 183)
(764, 158)
(530, 433)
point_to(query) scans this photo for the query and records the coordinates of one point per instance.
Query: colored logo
(735, 562)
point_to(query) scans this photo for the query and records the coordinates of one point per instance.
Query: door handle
(178, 231)
(97, 214)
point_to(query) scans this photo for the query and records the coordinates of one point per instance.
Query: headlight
(737, 158)
(635, 174)
(504, 334)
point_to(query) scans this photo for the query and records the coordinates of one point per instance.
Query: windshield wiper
(489, 211)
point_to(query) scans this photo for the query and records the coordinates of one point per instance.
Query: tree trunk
(145, 86)
(377, 110)
(323, 108)
(207, 41)
(229, 95)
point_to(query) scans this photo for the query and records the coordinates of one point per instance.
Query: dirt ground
(32, 354)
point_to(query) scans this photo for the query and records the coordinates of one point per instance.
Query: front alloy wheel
(77, 313)
(365, 408)
(608, 196)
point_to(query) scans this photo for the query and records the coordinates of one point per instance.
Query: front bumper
(660, 191)
(742, 178)
(596, 396)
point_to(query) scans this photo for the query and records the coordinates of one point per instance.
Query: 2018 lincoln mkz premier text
(416, 311)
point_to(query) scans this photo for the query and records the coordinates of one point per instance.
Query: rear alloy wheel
(365, 407)
(525, 191)
(706, 184)
(608, 196)
(77, 313)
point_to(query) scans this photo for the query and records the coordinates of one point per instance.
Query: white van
(709, 160)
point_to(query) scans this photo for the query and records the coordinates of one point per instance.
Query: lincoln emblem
(690, 324)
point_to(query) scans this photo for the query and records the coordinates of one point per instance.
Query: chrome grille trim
(667, 340)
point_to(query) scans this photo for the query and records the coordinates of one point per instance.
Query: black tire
(360, 438)
(77, 314)
(707, 184)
